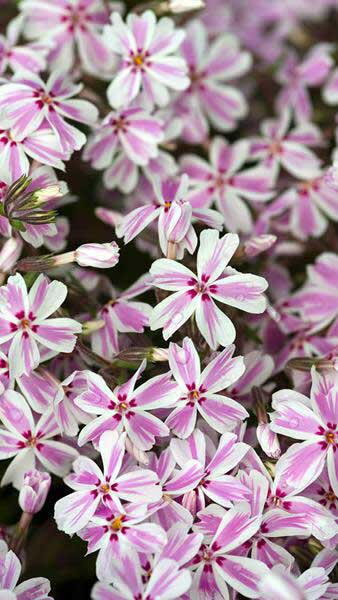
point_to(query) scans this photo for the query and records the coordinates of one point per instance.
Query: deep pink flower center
(25, 323)
(138, 60)
(76, 16)
(32, 441)
(329, 436)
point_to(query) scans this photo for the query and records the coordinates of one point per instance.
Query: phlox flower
(312, 584)
(167, 581)
(296, 76)
(124, 140)
(321, 491)
(223, 182)
(30, 442)
(210, 97)
(121, 314)
(313, 420)
(199, 392)
(127, 407)
(29, 102)
(115, 533)
(42, 178)
(73, 29)
(174, 213)
(25, 322)
(149, 61)
(196, 293)
(214, 482)
(316, 301)
(307, 207)
(36, 587)
(169, 510)
(16, 56)
(279, 147)
(218, 565)
(42, 145)
(93, 486)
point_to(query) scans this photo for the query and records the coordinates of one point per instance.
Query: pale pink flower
(316, 301)
(67, 413)
(16, 56)
(30, 442)
(149, 61)
(29, 103)
(200, 392)
(296, 76)
(127, 407)
(93, 487)
(279, 148)
(25, 322)
(196, 293)
(210, 96)
(315, 422)
(223, 182)
(72, 29)
(36, 588)
(34, 491)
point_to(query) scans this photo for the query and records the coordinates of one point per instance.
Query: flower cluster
(169, 299)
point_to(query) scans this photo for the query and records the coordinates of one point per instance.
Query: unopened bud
(101, 256)
(268, 440)
(149, 353)
(259, 244)
(138, 454)
(34, 491)
(180, 6)
(9, 254)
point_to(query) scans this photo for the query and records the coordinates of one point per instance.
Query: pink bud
(259, 244)
(10, 253)
(268, 440)
(34, 491)
(101, 256)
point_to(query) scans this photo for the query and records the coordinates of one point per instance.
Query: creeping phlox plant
(169, 426)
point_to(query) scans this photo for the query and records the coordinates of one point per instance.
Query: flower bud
(10, 253)
(259, 244)
(179, 6)
(101, 256)
(268, 440)
(34, 491)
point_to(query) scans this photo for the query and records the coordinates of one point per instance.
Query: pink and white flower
(210, 96)
(72, 29)
(36, 588)
(296, 76)
(115, 533)
(16, 56)
(149, 61)
(214, 483)
(196, 293)
(131, 133)
(42, 146)
(94, 487)
(218, 565)
(121, 314)
(29, 103)
(175, 215)
(167, 581)
(199, 392)
(315, 422)
(30, 442)
(279, 148)
(25, 322)
(222, 182)
(127, 408)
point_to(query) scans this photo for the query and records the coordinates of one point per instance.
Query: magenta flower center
(139, 60)
(329, 436)
(76, 17)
